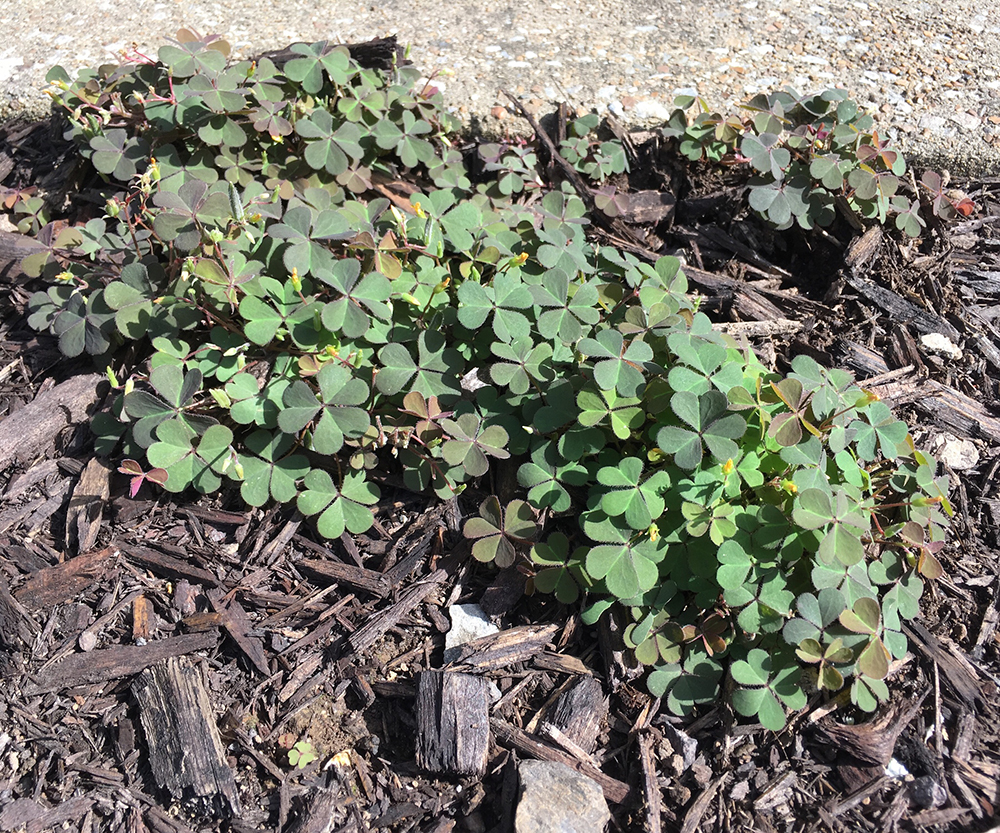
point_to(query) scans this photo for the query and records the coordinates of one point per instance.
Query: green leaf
(471, 441)
(522, 363)
(621, 366)
(495, 535)
(339, 419)
(270, 470)
(116, 154)
(568, 313)
(84, 325)
(624, 414)
(435, 372)
(338, 509)
(504, 299)
(626, 563)
(318, 59)
(545, 476)
(190, 459)
(710, 423)
(558, 572)
(329, 147)
(640, 501)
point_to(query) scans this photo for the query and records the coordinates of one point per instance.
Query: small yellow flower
(654, 532)
(419, 211)
(296, 280)
(727, 467)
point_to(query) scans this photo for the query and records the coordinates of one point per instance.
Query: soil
(296, 640)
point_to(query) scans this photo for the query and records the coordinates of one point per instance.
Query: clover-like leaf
(83, 324)
(329, 147)
(687, 684)
(114, 153)
(767, 688)
(319, 59)
(339, 418)
(547, 475)
(270, 470)
(348, 316)
(504, 299)
(766, 154)
(522, 363)
(878, 430)
(188, 212)
(640, 501)
(305, 230)
(817, 612)
(569, 308)
(628, 563)
(176, 391)
(494, 533)
(132, 299)
(557, 571)
(624, 414)
(435, 371)
(339, 509)
(710, 423)
(471, 441)
(620, 366)
(190, 459)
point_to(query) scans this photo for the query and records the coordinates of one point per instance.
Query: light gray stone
(940, 345)
(468, 622)
(557, 799)
(959, 454)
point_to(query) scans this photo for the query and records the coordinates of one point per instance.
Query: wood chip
(31, 432)
(499, 650)
(62, 582)
(119, 661)
(185, 750)
(86, 506)
(453, 726)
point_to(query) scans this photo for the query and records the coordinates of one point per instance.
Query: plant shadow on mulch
(314, 648)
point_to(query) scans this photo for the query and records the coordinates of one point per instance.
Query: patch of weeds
(304, 332)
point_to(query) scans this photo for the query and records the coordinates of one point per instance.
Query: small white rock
(647, 109)
(940, 345)
(894, 769)
(959, 454)
(468, 622)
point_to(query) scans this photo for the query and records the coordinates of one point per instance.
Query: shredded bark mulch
(160, 657)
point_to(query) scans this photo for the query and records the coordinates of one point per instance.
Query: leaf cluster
(305, 335)
(812, 156)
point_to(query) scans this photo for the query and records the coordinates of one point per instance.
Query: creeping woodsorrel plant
(299, 334)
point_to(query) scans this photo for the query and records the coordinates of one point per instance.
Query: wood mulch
(160, 657)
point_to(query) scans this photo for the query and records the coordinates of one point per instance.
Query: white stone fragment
(468, 622)
(957, 453)
(650, 110)
(940, 345)
(894, 769)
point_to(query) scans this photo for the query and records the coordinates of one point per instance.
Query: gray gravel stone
(558, 799)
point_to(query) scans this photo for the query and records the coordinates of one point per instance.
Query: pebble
(557, 799)
(939, 344)
(927, 792)
(468, 622)
(958, 454)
